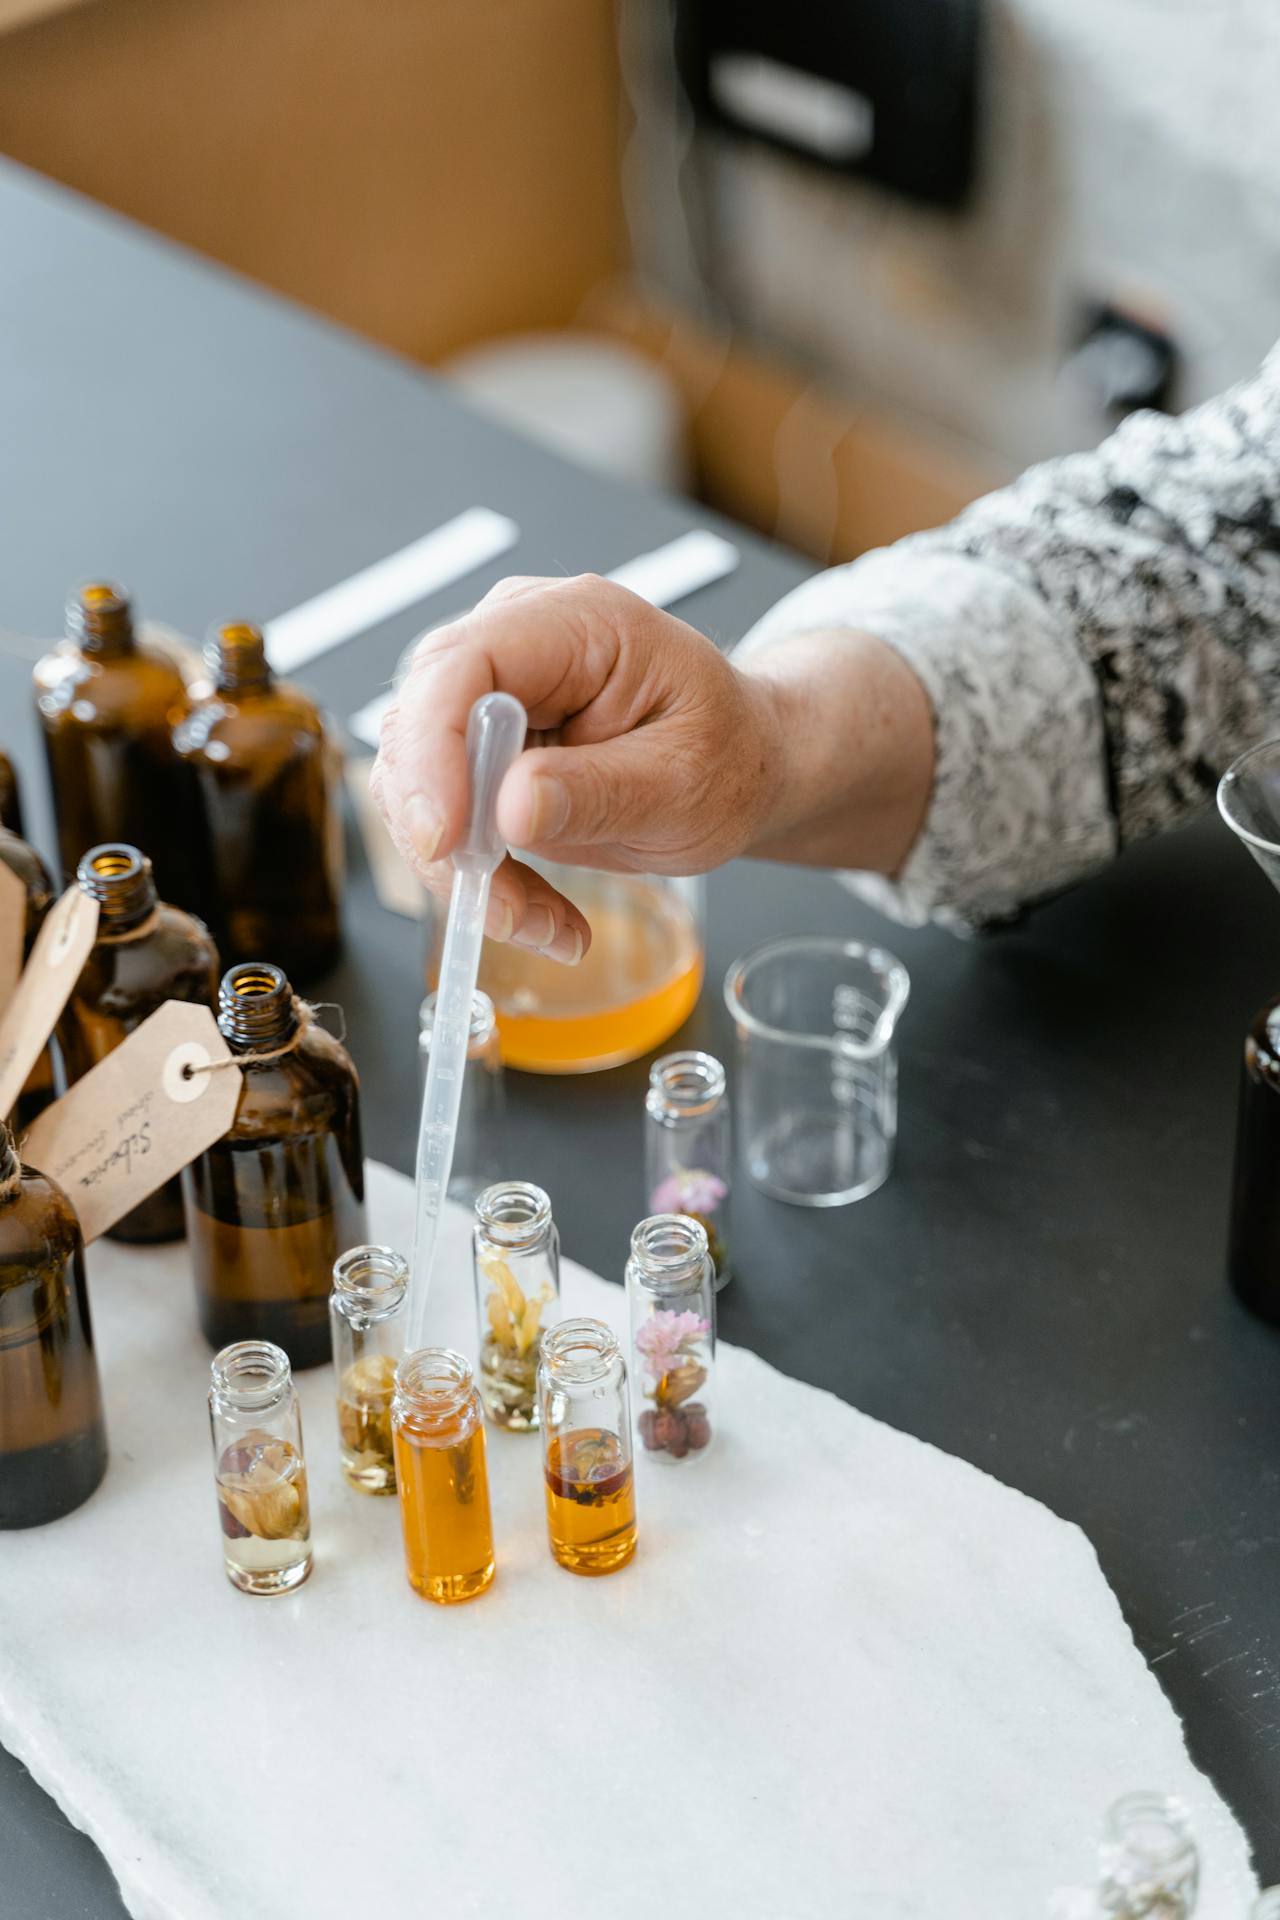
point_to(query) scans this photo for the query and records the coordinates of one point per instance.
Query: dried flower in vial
(691, 1190)
(364, 1410)
(262, 1489)
(515, 1318)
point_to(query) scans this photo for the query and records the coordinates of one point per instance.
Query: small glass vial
(671, 1295)
(477, 1147)
(259, 1468)
(442, 1477)
(10, 797)
(688, 1147)
(589, 1478)
(366, 1313)
(1148, 1865)
(30, 869)
(53, 1446)
(515, 1252)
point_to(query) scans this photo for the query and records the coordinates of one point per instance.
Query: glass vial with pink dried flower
(688, 1147)
(259, 1469)
(671, 1294)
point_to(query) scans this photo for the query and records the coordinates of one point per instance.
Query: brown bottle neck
(100, 621)
(236, 656)
(119, 878)
(256, 1007)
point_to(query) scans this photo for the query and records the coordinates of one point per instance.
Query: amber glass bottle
(272, 1204)
(108, 705)
(10, 798)
(34, 875)
(53, 1447)
(146, 953)
(269, 833)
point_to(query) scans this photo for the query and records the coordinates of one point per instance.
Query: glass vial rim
(669, 1252)
(235, 653)
(580, 1351)
(250, 1376)
(255, 1003)
(1155, 1827)
(514, 1215)
(99, 618)
(484, 1021)
(370, 1282)
(118, 876)
(684, 1086)
(433, 1381)
(1267, 1905)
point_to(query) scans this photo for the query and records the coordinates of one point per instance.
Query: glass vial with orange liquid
(260, 1470)
(588, 1475)
(271, 1205)
(366, 1313)
(515, 1252)
(30, 869)
(637, 983)
(688, 1146)
(53, 1446)
(265, 773)
(10, 796)
(442, 1477)
(145, 952)
(671, 1296)
(108, 705)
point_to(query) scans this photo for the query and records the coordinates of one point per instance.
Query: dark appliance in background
(885, 89)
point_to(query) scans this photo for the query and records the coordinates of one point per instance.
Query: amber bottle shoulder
(142, 684)
(37, 1222)
(314, 1086)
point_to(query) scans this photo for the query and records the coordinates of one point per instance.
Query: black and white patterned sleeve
(1097, 642)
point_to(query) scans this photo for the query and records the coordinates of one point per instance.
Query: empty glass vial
(688, 1147)
(1148, 1865)
(10, 796)
(26, 863)
(53, 1446)
(108, 705)
(671, 1295)
(588, 1474)
(146, 952)
(442, 1477)
(366, 1311)
(269, 832)
(271, 1205)
(259, 1468)
(515, 1252)
(477, 1149)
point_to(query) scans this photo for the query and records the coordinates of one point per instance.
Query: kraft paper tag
(62, 946)
(13, 921)
(165, 1094)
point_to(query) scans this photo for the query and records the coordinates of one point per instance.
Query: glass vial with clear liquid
(145, 952)
(671, 1296)
(588, 1475)
(516, 1258)
(442, 1477)
(53, 1445)
(366, 1311)
(688, 1147)
(265, 775)
(478, 1142)
(1149, 1868)
(260, 1469)
(271, 1205)
(26, 864)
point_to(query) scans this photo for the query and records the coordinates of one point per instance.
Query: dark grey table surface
(1039, 1288)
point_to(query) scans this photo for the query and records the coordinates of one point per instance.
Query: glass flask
(269, 828)
(10, 796)
(53, 1445)
(671, 1295)
(1148, 1865)
(477, 1147)
(366, 1312)
(589, 1479)
(145, 953)
(108, 704)
(271, 1205)
(516, 1258)
(638, 981)
(688, 1147)
(259, 1468)
(442, 1477)
(26, 863)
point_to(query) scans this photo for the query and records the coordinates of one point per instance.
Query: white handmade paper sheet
(846, 1675)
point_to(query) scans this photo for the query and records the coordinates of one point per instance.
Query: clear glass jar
(442, 1477)
(477, 1146)
(671, 1294)
(585, 1414)
(688, 1147)
(259, 1468)
(1148, 1864)
(366, 1315)
(515, 1251)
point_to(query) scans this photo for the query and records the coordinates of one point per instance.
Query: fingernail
(550, 807)
(566, 948)
(537, 929)
(499, 920)
(423, 826)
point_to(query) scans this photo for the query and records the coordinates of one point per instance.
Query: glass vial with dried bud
(10, 796)
(24, 862)
(516, 1257)
(53, 1446)
(442, 1477)
(265, 773)
(271, 1205)
(588, 1473)
(1149, 1868)
(671, 1294)
(477, 1146)
(145, 952)
(366, 1313)
(688, 1147)
(259, 1468)
(108, 704)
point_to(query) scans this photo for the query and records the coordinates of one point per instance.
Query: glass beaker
(818, 1080)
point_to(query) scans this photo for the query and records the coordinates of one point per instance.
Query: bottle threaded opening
(255, 1004)
(434, 1380)
(669, 1250)
(236, 655)
(370, 1281)
(685, 1086)
(579, 1350)
(100, 619)
(1152, 1827)
(514, 1213)
(119, 878)
(250, 1375)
